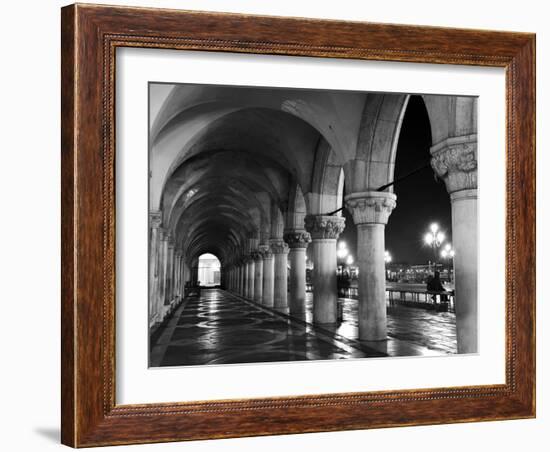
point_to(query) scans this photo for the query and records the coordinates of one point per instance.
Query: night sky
(421, 199)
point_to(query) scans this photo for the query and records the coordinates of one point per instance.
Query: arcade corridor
(258, 179)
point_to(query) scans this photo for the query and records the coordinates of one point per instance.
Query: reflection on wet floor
(220, 328)
(411, 331)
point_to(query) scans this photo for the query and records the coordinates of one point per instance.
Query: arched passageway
(259, 177)
(209, 271)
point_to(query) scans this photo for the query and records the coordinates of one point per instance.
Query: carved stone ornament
(155, 219)
(324, 226)
(371, 207)
(266, 252)
(256, 255)
(170, 240)
(164, 234)
(248, 258)
(279, 247)
(456, 163)
(297, 239)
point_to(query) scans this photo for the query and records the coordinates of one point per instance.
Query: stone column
(297, 241)
(242, 278)
(280, 250)
(245, 279)
(162, 271)
(177, 261)
(258, 276)
(371, 211)
(195, 271)
(268, 277)
(155, 220)
(250, 291)
(186, 272)
(324, 230)
(182, 274)
(169, 271)
(455, 161)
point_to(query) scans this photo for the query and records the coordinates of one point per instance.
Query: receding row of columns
(261, 275)
(268, 264)
(168, 271)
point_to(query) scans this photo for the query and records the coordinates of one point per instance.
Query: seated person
(434, 285)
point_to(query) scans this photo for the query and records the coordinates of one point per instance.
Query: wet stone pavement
(220, 328)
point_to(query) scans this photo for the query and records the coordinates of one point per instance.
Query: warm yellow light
(349, 261)
(429, 238)
(440, 237)
(434, 227)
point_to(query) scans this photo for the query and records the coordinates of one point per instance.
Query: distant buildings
(417, 273)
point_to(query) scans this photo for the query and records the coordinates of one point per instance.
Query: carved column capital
(256, 255)
(266, 252)
(455, 161)
(371, 207)
(297, 239)
(324, 226)
(279, 247)
(169, 237)
(155, 219)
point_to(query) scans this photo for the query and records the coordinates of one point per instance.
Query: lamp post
(346, 259)
(387, 260)
(342, 252)
(434, 238)
(447, 253)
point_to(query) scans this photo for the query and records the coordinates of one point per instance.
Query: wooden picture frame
(90, 36)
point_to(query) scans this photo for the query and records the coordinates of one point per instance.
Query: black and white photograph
(298, 224)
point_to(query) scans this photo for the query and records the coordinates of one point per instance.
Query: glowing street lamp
(387, 260)
(435, 239)
(342, 251)
(349, 260)
(447, 253)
